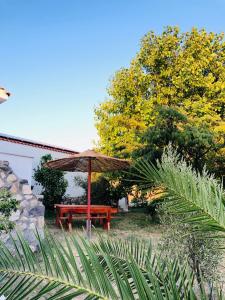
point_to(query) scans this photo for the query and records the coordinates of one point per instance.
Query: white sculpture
(4, 95)
(123, 204)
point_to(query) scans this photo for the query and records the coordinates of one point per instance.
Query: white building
(24, 156)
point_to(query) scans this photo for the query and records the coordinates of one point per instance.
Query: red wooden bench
(68, 213)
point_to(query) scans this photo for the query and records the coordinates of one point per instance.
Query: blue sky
(57, 57)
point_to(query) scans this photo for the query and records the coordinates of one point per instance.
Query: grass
(135, 223)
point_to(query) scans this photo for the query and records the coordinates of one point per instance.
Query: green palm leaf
(77, 268)
(125, 252)
(197, 197)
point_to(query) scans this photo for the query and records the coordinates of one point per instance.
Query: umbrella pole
(88, 225)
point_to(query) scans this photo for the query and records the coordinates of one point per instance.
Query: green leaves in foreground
(199, 198)
(102, 270)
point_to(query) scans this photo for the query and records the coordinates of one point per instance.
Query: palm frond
(125, 252)
(197, 197)
(77, 268)
(51, 272)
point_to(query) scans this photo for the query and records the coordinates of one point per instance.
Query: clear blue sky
(57, 57)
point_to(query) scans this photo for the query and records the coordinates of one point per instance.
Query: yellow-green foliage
(182, 70)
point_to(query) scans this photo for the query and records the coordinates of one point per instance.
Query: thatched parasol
(88, 161)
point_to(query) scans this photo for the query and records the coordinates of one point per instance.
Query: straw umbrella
(88, 161)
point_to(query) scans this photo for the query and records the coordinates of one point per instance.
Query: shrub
(103, 189)
(203, 253)
(153, 209)
(52, 181)
(7, 206)
(138, 202)
(194, 212)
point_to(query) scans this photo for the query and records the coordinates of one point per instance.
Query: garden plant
(7, 206)
(52, 181)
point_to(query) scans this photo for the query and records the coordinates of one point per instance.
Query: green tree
(52, 181)
(180, 70)
(196, 144)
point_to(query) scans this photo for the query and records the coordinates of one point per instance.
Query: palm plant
(104, 270)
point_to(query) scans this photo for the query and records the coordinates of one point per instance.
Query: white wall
(21, 165)
(24, 159)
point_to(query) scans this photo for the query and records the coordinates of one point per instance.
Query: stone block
(24, 226)
(26, 212)
(2, 183)
(23, 181)
(40, 222)
(32, 219)
(18, 197)
(37, 211)
(15, 216)
(14, 188)
(24, 219)
(2, 175)
(32, 226)
(11, 178)
(24, 204)
(26, 189)
(33, 202)
(4, 164)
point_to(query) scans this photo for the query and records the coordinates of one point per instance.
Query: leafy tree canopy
(196, 144)
(180, 70)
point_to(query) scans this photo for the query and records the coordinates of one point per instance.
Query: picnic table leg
(107, 222)
(60, 217)
(70, 222)
(108, 225)
(101, 221)
(57, 217)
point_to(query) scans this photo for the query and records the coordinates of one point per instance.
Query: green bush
(7, 206)
(52, 181)
(193, 213)
(204, 254)
(103, 189)
(153, 209)
(139, 202)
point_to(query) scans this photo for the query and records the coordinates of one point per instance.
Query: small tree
(52, 181)
(105, 188)
(7, 206)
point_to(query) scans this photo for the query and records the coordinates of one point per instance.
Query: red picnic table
(70, 212)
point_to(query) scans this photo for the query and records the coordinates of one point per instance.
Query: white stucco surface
(24, 159)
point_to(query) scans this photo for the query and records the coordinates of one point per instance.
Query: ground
(135, 223)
